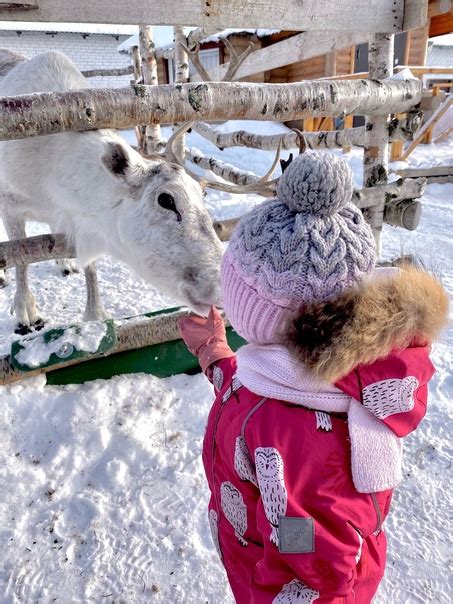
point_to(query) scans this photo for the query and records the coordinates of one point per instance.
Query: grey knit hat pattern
(310, 244)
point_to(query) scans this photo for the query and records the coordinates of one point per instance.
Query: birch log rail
(109, 72)
(399, 129)
(41, 248)
(91, 109)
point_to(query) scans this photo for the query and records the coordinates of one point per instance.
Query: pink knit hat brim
(256, 319)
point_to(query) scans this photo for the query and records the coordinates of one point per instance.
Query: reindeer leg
(94, 310)
(24, 304)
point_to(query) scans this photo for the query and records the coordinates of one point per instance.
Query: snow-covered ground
(102, 493)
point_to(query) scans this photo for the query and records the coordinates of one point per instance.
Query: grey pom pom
(315, 183)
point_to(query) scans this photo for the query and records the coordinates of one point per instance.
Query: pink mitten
(205, 337)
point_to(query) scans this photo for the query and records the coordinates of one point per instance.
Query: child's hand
(205, 337)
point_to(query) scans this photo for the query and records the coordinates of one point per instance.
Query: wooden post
(181, 77)
(137, 79)
(347, 124)
(376, 154)
(152, 141)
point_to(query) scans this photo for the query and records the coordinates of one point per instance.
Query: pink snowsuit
(286, 518)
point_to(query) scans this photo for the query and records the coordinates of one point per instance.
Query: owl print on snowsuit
(217, 378)
(235, 510)
(214, 526)
(242, 462)
(234, 387)
(271, 482)
(390, 396)
(296, 592)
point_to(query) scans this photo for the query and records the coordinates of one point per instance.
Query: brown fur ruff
(366, 324)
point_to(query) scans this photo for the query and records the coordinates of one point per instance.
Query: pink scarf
(376, 452)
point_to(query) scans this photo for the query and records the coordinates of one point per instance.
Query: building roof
(440, 56)
(82, 28)
(163, 36)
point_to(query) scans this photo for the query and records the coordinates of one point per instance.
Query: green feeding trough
(101, 350)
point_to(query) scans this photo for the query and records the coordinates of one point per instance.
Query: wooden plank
(439, 8)
(298, 15)
(425, 172)
(443, 136)
(298, 48)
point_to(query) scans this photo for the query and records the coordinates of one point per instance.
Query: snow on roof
(440, 56)
(446, 40)
(259, 33)
(163, 36)
(83, 28)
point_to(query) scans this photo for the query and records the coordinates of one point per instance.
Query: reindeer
(107, 199)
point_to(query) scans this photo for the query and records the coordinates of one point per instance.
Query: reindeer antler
(194, 56)
(235, 59)
(284, 163)
(263, 185)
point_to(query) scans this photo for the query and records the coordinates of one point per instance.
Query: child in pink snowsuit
(303, 442)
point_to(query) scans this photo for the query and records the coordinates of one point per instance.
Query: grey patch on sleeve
(296, 535)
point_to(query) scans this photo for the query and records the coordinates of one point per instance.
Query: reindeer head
(164, 230)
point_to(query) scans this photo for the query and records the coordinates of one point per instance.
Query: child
(303, 442)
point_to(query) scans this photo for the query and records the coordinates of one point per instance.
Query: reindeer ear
(116, 160)
(122, 164)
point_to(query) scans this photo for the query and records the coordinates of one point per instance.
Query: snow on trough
(102, 493)
(85, 338)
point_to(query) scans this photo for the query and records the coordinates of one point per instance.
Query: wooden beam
(91, 109)
(415, 14)
(293, 50)
(299, 15)
(439, 8)
(428, 173)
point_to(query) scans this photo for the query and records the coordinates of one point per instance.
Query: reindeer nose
(191, 274)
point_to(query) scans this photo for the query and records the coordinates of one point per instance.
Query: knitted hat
(310, 244)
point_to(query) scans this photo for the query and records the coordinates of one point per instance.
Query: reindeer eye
(166, 201)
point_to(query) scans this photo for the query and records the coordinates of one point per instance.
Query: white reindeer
(106, 199)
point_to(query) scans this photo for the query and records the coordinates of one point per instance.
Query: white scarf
(376, 452)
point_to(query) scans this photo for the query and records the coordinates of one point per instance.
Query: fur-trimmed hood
(404, 307)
